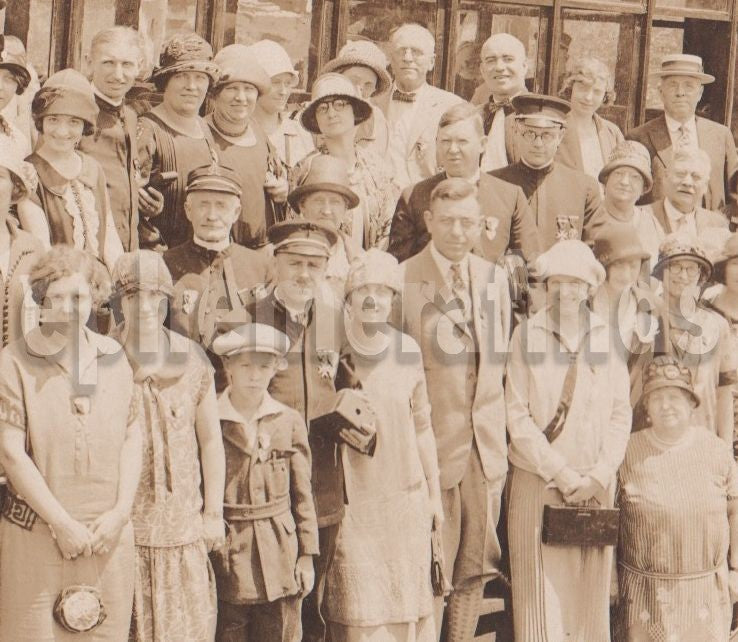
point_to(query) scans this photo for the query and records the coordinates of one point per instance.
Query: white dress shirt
(681, 222)
(675, 132)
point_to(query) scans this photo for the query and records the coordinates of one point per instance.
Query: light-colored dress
(561, 592)
(378, 583)
(674, 539)
(175, 585)
(76, 424)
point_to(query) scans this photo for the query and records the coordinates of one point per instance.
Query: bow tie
(403, 96)
(491, 108)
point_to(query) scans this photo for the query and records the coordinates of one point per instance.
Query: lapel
(427, 102)
(510, 147)
(569, 152)
(658, 133)
(659, 214)
(607, 141)
(233, 433)
(477, 284)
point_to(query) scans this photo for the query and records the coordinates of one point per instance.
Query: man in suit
(684, 186)
(508, 222)
(563, 200)
(504, 64)
(414, 106)
(682, 81)
(456, 306)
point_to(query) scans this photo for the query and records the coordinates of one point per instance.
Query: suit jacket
(714, 138)
(463, 367)
(508, 220)
(569, 152)
(412, 145)
(704, 218)
(563, 200)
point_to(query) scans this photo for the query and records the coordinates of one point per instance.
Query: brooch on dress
(490, 227)
(189, 299)
(327, 363)
(81, 405)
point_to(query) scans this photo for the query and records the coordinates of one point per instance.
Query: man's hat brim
(704, 78)
(297, 194)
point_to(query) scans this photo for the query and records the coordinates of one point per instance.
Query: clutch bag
(580, 525)
(79, 608)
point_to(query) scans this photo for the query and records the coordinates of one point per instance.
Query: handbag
(439, 582)
(79, 608)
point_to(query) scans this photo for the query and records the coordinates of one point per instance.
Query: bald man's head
(504, 65)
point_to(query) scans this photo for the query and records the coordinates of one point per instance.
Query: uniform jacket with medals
(464, 365)
(563, 200)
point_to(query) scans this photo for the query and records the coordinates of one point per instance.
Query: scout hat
(12, 160)
(615, 243)
(362, 53)
(683, 65)
(213, 178)
(273, 58)
(302, 237)
(729, 251)
(142, 270)
(184, 52)
(570, 257)
(629, 153)
(680, 245)
(68, 93)
(325, 173)
(539, 110)
(666, 371)
(237, 63)
(328, 87)
(252, 337)
(15, 62)
(374, 267)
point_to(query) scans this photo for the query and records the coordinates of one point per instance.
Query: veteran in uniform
(298, 307)
(563, 200)
(212, 275)
(456, 306)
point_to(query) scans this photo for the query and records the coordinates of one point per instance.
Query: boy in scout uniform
(212, 275)
(266, 567)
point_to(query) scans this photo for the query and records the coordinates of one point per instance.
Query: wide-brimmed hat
(11, 159)
(572, 258)
(666, 371)
(237, 63)
(629, 153)
(273, 58)
(185, 52)
(66, 93)
(374, 267)
(328, 87)
(729, 251)
(325, 173)
(302, 237)
(365, 54)
(680, 245)
(142, 270)
(683, 65)
(615, 243)
(15, 62)
(252, 337)
(539, 110)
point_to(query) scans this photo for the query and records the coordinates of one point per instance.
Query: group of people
(324, 373)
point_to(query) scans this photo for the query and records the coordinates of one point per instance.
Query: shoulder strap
(556, 425)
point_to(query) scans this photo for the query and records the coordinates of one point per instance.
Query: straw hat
(683, 65)
(365, 54)
(325, 173)
(328, 87)
(680, 245)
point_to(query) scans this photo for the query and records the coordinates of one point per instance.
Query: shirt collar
(473, 180)
(673, 213)
(107, 99)
(268, 406)
(296, 316)
(218, 246)
(444, 265)
(673, 125)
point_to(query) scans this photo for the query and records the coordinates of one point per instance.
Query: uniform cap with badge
(302, 237)
(539, 110)
(252, 337)
(213, 178)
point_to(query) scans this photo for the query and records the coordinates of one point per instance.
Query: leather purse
(580, 525)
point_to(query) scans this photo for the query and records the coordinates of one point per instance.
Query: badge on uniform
(327, 363)
(567, 228)
(189, 300)
(490, 227)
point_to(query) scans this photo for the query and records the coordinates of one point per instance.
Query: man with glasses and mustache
(414, 107)
(563, 200)
(681, 84)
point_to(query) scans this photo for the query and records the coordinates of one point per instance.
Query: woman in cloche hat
(396, 490)
(568, 420)
(334, 112)
(678, 497)
(175, 523)
(72, 189)
(174, 139)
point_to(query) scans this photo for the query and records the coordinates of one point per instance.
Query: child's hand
(305, 574)
(213, 532)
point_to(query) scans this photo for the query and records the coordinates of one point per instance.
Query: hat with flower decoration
(629, 153)
(666, 371)
(362, 53)
(185, 52)
(680, 245)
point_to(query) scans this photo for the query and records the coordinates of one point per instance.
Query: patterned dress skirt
(162, 610)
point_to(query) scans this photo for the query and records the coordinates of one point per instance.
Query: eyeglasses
(339, 104)
(691, 269)
(546, 137)
(414, 52)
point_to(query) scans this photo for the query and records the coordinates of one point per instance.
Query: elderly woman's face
(275, 100)
(587, 95)
(236, 101)
(144, 310)
(186, 91)
(335, 117)
(8, 86)
(681, 276)
(371, 303)
(669, 408)
(68, 301)
(62, 133)
(566, 294)
(624, 186)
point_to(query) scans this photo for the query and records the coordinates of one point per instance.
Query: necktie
(403, 96)
(458, 287)
(684, 139)
(491, 108)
